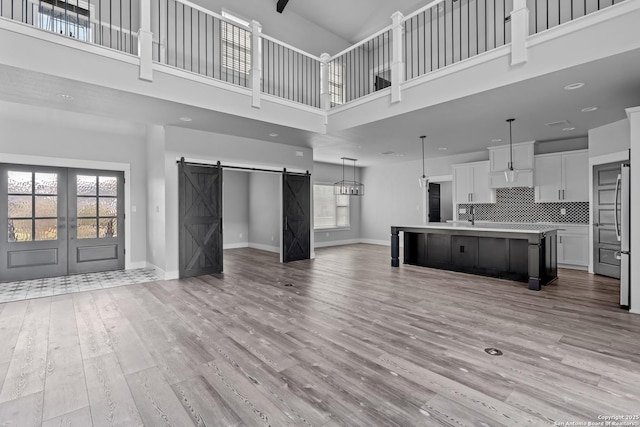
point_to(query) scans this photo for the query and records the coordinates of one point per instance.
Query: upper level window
(336, 83)
(236, 44)
(71, 18)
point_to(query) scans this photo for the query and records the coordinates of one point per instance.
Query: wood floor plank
(156, 401)
(26, 373)
(24, 411)
(78, 418)
(94, 339)
(110, 399)
(65, 387)
(11, 320)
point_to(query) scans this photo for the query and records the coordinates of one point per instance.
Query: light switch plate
(462, 211)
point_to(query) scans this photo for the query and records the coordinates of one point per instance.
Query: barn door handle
(286, 223)
(220, 225)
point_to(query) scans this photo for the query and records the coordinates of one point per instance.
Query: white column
(256, 63)
(397, 66)
(325, 92)
(519, 32)
(634, 123)
(145, 42)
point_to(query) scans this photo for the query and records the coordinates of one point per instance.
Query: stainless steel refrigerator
(623, 231)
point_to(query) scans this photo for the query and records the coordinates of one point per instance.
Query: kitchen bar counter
(521, 252)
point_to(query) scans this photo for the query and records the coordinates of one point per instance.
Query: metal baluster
(190, 40)
(184, 58)
(198, 42)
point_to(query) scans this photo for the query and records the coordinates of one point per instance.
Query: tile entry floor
(28, 289)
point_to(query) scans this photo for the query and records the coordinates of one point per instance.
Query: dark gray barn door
(296, 211)
(605, 242)
(96, 220)
(434, 202)
(33, 207)
(200, 219)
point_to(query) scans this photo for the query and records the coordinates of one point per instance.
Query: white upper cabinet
(562, 177)
(523, 162)
(471, 183)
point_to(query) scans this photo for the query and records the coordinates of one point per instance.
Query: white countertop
(486, 226)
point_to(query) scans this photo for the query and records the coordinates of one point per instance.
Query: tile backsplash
(518, 205)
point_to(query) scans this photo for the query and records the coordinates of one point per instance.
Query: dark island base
(529, 259)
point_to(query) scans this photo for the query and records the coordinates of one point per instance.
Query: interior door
(33, 206)
(296, 211)
(96, 221)
(605, 242)
(434, 202)
(200, 219)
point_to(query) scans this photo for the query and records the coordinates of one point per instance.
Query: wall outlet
(327, 234)
(134, 209)
(300, 153)
(272, 238)
(563, 211)
(462, 211)
(241, 235)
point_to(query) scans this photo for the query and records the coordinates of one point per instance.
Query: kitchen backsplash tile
(518, 205)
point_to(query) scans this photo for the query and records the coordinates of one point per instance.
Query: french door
(60, 221)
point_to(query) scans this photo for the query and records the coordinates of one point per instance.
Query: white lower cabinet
(573, 246)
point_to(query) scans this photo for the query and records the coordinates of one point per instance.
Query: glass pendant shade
(511, 175)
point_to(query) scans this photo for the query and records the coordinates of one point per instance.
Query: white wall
(611, 138)
(156, 241)
(211, 147)
(326, 173)
(634, 121)
(74, 138)
(235, 208)
(446, 200)
(264, 211)
(393, 196)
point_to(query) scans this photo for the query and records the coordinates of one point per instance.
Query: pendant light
(510, 174)
(423, 181)
(348, 188)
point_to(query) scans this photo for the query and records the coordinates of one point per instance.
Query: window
(329, 210)
(32, 206)
(70, 18)
(97, 207)
(236, 44)
(336, 83)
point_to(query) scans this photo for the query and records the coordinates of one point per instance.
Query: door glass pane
(108, 207)
(46, 229)
(20, 206)
(20, 182)
(87, 228)
(46, 206)
(108, 227)
(108, 186)
(86, 185)
(87, 206)
(19, 230)
(46, 183)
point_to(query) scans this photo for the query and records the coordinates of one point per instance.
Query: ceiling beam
(281, 5)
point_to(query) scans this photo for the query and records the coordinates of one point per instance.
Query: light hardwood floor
(351, 341)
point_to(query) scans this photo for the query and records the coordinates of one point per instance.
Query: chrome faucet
(472, 211)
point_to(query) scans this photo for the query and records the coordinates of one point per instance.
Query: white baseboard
(380, 242)
(573, 267)
(266, 248)
(136, 265)
(172, 275)
(337, 243)
(235, 245)
(159, 272)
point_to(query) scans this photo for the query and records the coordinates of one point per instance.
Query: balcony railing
(109, 23)
(191, 38)
(545, 14)
(451, 31)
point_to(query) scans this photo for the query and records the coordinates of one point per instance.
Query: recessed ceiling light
(589, 109)
(443, 148)
(568, 129)
(399, 155)
(574, 86)
(496, 140)
(65, 96)
(273, 135)
(186, 119)
(388, 153)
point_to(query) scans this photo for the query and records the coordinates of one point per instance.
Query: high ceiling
(353, 20)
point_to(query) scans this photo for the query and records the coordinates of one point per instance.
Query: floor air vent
(493, 351)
